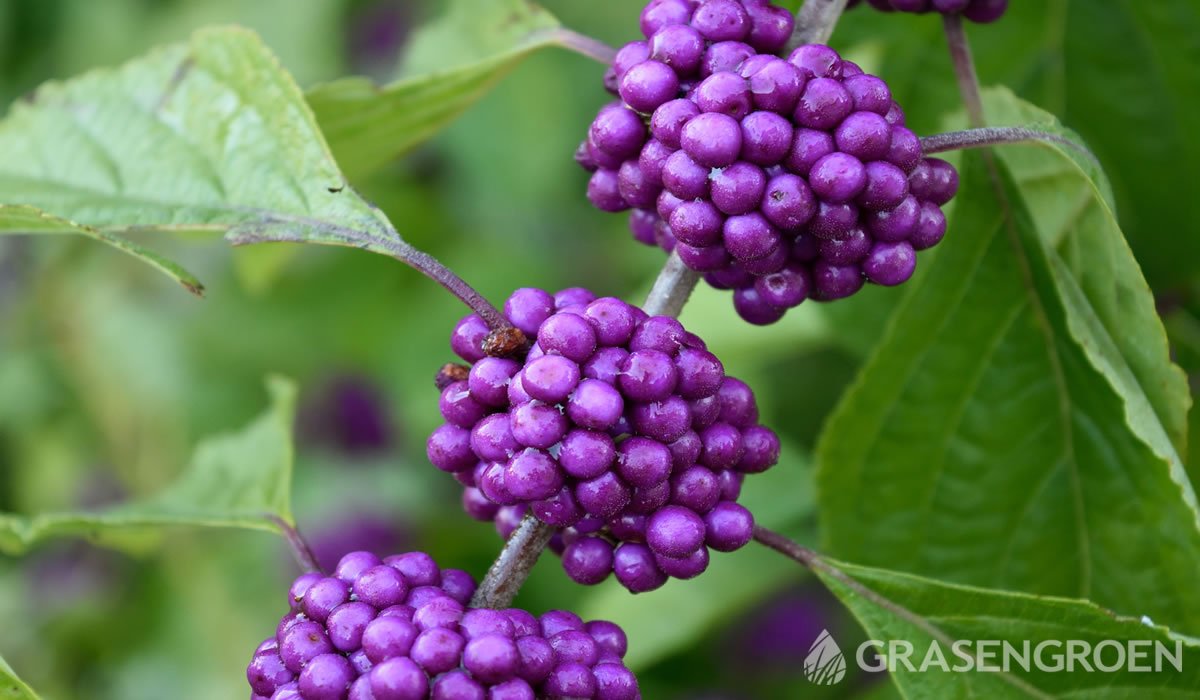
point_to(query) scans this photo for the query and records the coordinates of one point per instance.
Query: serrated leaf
(451, 63)
(208, 135)
(20, 219)
(1003, 435)
(237, 480)
(11, 687)
(896, 607)
(1074, 211)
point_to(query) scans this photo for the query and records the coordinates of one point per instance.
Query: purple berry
(618, 132)
(725, 92)
(679, 46)
(835, 281)
(737, 189)
(750, 236)
(648, 85)
(588, 560)
(684, 177)
(766, 138)
(722, 20)
(697, 223)
(808, 147)
(728, 527)
(823, 104)
(817, 61)
(930, 228)
(788, 203)
(326, 677)
(713, 140)
(674, 531)
(635, 568)
(890, 264)
(398, 679)
(666, 124)
(658, 15)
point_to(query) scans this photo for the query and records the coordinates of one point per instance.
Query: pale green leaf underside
(11, 687)
(212, 133)
(1002, 434)
(238, 480)
(900, 607)
(1072, 202)
(451, 63)
(21, 219)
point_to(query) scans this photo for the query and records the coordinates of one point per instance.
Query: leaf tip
(194, 287)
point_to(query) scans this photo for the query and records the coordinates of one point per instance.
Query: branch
(964, 68)
(992, 135)
(512, 567)
(815, 22)
(300, 549)
(672, 289)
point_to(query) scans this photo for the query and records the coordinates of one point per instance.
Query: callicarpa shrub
(1008, 465)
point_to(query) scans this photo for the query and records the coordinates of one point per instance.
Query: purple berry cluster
(981, 11)
(782, 180)
(402, 629)
(617, 427)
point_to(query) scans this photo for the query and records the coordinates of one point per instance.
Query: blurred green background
(109, 374)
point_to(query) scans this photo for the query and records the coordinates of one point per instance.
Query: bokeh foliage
(110, 377)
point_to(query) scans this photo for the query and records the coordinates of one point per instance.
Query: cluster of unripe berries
(618, 428)
(782, 180)
(402, 629)
(982, 11)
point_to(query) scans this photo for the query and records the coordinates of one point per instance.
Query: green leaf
(1133, 90)
(1074, 213)
(1120, 72)
(11, 687)
(896, 607)
(238, 480)
(451, 63)
(20, 219)
(1001, 435)
(211, 135)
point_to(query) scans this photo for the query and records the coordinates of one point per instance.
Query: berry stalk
(433, 268)
(815, 22)
(993, 135)
(299, 546)
(585, 45)
(964, 68)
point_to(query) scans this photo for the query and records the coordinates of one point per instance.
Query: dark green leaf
(1002, 435)
(238, 480)
(1073, 211)
(899, 607)
(1120, 72)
